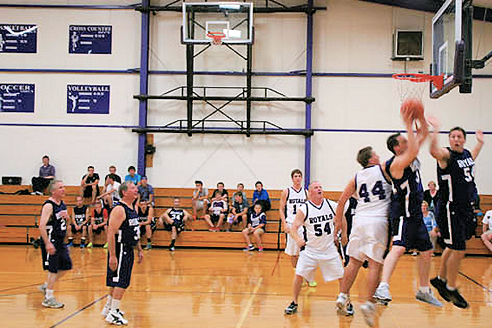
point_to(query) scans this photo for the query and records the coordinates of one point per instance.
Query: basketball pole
(309, 90)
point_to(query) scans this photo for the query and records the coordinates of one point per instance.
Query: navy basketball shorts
(44, 255)
(74, 230)
(143, 230)
(410, 233)
(122, 275)
(98, 230)
(214, 218)
(456, 225)
(60, 261)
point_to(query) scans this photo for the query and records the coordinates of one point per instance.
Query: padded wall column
(309, 91)
(144, 85)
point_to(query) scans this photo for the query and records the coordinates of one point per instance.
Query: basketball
(413, 107)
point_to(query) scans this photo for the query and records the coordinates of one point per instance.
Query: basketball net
(216, 37)
(413, 85)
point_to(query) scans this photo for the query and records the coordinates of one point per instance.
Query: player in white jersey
(369, 237)
(317, 245)
(290, 201)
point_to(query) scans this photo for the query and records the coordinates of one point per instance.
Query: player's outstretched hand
(479, 135)
(434, 122)
(113, 263)
(140, 256)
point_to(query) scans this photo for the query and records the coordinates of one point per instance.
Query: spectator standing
(46, 174)
(430, 223)
(146, 192)
(261, 196)
(89, 184)
(116, 177)
(133, 176)
(432, 196)
(199, 201)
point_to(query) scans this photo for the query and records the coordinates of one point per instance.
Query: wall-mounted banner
(89, 39)
(18, 38)
(17, 97)
(87, 99)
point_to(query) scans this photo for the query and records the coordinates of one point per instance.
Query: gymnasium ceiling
(482, 8)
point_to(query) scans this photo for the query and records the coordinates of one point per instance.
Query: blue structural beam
(309, 92)
(144, 87)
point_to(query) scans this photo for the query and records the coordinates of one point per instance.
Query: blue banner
(17, 97)
(18, 38)
(89, 39)
(87, 99)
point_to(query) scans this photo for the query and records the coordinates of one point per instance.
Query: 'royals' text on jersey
(318, 228)
(295, 198)
(373, 192)
(176, 215)
(457, 180)
(129, 231)
(57, 226)
(79, 214)
(408, 191)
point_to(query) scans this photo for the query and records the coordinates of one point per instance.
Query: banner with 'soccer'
(17, 98)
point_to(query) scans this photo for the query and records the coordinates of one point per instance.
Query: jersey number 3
(377, 190)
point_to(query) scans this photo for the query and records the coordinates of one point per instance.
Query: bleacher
(19, 218)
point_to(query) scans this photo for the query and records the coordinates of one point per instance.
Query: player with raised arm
(369, 237)
(123, 236)
(317, 246)
(53, 228)
(407, 221)
(290, 200)
(455, 171)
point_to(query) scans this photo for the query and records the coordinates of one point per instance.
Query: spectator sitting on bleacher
(239, 212)
(133, 176)
(260, 196)
(199, 202)
(116, 177)
(174, 220)
(98, 223)
(110, 194)
(217, 212)
(80, 219)
(220, 188)
(46, 174)
(89, 185)
(487, 230)
(256, 227)
(240, 189)
(146, 192)
(147, 222)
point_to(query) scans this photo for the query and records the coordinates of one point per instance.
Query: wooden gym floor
(222, 288)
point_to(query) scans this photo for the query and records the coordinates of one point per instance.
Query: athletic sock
(450, 288)
(445, 280)
(383, 284)
(115, 304)
(49, 293)
(424, 289)
(109, 301)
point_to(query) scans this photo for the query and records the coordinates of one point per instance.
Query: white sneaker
(382, 294)
(344, 307)
(115, 317)
(428, 298)
(368, 310)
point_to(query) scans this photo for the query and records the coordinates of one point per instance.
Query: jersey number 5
(377, 190)
(319, 232)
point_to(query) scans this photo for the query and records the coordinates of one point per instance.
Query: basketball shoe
(52, 303)
(382, 294)
(115, 317)
(291, 309)
(368, 310)
(440, 285)
(428, 297)
(344, 307)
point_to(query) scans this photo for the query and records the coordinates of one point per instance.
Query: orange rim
(437, 80)
(216, 36)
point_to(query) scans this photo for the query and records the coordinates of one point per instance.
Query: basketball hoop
(216, 37)
(410, 85)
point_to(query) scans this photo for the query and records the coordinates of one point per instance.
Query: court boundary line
(277, 261)
(475, 282)
(79, 311)
(246, 309)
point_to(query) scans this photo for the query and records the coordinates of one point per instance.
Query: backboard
(448, 46)
(234, 19)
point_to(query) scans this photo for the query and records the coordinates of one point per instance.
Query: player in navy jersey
(256, 227)
(53, 228)
(147, 222)
(98, 222)
(455, 170)
(174, 220)
(123, 236)
(80, 222)
(407, 223)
